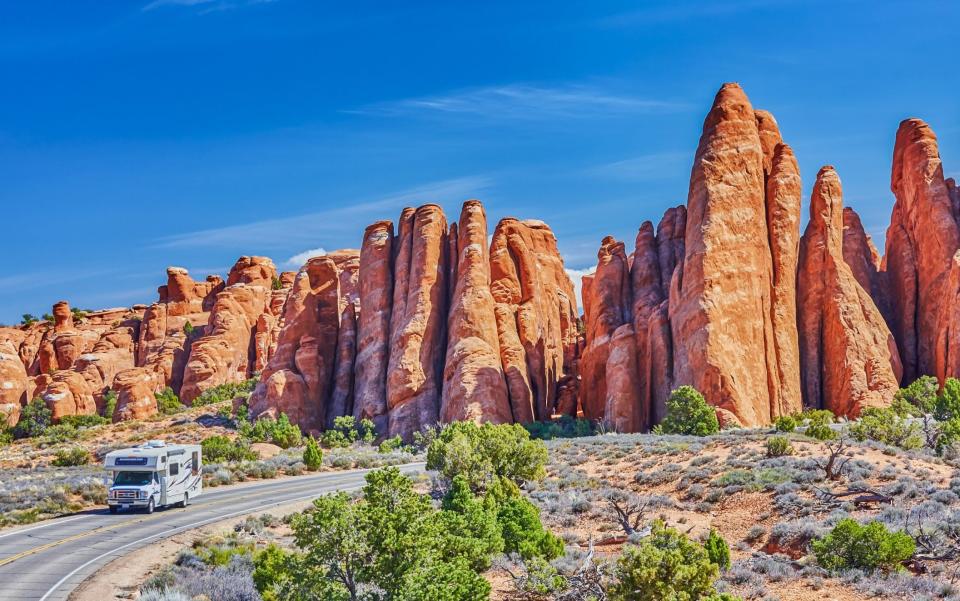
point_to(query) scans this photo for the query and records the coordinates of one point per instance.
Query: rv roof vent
(156, 443)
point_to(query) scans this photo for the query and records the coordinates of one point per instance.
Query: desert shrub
(280, 431)
(188, 329)
(947, 406)
(778, 446)
(35, 418)
(6, 432)
(391, 444)
(168, 403)
(225, 392)
(867, 547)
(818, 424)
(689, 413)
(948, 434)
(346, 431)
(921, 393)
(564, 427)
(887, 426)
(718, 552)
(482, 453)
(83, 421)
(220, 448)
(392, 539)
(71, 457)
(523, 533)
(664, 565)
(48, 317)
(109, 405)
(58, 433)
(312, 455)
(786, 423)
(28, 319)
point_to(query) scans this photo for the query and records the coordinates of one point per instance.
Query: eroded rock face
(135, 388)
(864, 260)
(253, 271)
(373, 330)
(222, 354)
(68, 394)
(850, 358)
(183, 296)
(299, 376)
(473, 384)
(536, 319)
(14, 383)
(724, 297)
(418, 321)
(921, 241)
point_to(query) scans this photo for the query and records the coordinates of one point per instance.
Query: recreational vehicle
(154, 475)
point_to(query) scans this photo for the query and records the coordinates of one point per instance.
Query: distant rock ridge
(431, 320)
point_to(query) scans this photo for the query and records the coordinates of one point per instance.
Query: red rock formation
(253, 271)
(62, 317)
(341, 398)
(473, 384)
(299, 377)
(113, 353)
(373, 335)
(222, 354)
(536, 317)
(68, 394)
(14, 384)
(864, 259)
(850, 359)
(135, 388)
(418, 321)
(607, 307)
(921, 241)
(783, 192)
(724, 296)
(183, 296)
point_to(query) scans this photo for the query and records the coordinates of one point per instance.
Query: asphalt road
(48, 560)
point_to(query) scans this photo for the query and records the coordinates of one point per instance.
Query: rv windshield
(132, 478)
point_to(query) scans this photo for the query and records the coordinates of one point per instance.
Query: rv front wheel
(150, 506)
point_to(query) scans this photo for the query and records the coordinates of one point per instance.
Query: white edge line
(179, 529)
(53, 522)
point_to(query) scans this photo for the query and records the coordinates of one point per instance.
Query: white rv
(154, 475)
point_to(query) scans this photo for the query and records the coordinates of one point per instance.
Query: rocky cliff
(434, 321)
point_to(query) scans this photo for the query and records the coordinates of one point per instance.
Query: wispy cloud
(683, 11)
(522, 101)
(576, 275)
(647, 167)
(308, 229)
(204, 6)
(299, 259)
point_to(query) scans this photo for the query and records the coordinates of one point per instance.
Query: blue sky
(136, 135)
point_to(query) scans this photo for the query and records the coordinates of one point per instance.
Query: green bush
(818, 424)
(188, 329)
(225, 392)
(280, 431)
(392, 539)
(312, 455)
(718, 552)
(271, 567)
(664, 565)
(391, 444)
(276, 284)
(6, 432)
(885, 425)
(523, 532)
(220, 448)
(866, 547)
(346, 431)
(58, 433)
(921, 393)
(689, 413)
(168, 403)
(563, 427)
(35, 418)
(482, 453)
(48, 317)
(778, 446)
(83, 421)
(71, 457)
(947, 406)
(786, 423)
(28, 319)
(109, 405)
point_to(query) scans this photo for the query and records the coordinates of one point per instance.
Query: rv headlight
(143, 494)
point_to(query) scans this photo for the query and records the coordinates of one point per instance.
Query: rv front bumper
(124, 503)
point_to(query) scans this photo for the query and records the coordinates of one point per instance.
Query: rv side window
(174, 469)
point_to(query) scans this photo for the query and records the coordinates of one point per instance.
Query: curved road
(45, 562)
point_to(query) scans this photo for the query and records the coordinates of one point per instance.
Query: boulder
(849, 357)
(14, 383)
(253, 271)
(68, 393)
(136, 398)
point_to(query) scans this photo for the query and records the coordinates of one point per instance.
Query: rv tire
(150, 506)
